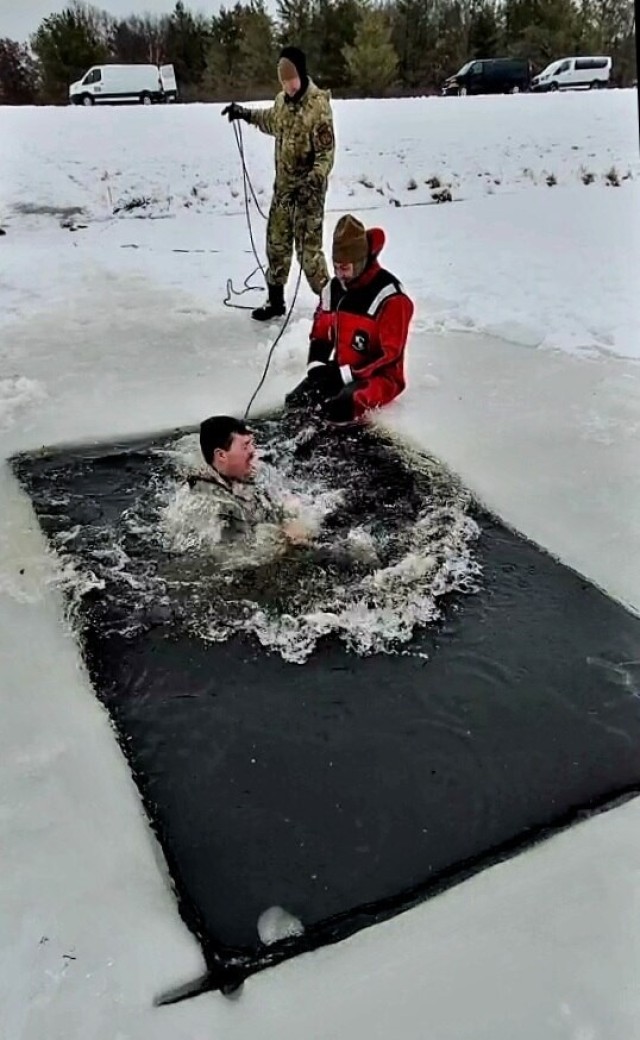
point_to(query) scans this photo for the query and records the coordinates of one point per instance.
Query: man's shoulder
(321, 92)
(388, 278)
(210, 482)
(372, 296)
(318, 98)
(392, 289)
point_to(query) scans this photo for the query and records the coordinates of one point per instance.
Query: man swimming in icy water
(229, 450)
(245, 509)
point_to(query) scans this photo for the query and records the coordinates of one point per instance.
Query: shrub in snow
(135, 203)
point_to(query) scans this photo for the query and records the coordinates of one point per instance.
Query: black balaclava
(298, 59)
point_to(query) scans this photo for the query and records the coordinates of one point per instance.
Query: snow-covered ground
(387, 152)
(523, 378)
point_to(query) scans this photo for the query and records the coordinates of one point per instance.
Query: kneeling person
(360, 329)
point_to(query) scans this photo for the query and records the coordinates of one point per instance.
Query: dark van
(491, 76)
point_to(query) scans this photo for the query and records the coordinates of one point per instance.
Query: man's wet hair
(218, 432)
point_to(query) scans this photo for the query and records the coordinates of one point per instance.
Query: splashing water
(389, 533)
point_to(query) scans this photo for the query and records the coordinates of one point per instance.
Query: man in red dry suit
(359, 335)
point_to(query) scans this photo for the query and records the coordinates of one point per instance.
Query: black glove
(304, 395)
(234, 111)
(321, 382)
(340, 409)
(326, 379)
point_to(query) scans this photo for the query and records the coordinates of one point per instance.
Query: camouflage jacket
(303, 129)
(239, 507)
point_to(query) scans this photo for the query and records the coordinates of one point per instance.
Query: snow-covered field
(387, 152)
(523, 378)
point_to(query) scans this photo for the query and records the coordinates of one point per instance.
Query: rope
(274, 345)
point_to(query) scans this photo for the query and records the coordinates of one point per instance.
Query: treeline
(355, 47)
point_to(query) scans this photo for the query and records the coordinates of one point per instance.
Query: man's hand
(326, 378)
(234, 111)
(296, 533)
(323, 380)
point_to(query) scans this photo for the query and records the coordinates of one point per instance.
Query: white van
(106, 84)
(574, 74)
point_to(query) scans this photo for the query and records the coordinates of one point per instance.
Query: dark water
(354, 785)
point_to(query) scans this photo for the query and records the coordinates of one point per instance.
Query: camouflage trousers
(288, 226)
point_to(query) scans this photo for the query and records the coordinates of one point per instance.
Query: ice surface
(522, 378)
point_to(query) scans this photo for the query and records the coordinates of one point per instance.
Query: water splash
(389, 535)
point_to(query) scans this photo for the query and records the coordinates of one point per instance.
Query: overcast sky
(20, 18)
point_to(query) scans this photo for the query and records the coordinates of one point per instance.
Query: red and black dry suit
(357, 342)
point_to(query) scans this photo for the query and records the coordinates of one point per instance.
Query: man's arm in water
(291, 525)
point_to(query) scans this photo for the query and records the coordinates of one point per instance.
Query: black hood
(299, 59)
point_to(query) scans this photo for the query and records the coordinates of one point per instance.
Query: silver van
(574, 74)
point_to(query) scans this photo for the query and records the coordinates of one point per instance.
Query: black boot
(274, 307)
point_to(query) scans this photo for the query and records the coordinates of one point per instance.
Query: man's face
(291, 86)
(344, 272)
(239, 462)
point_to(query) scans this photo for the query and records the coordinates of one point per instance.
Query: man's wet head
(350, 251)
(228, 445)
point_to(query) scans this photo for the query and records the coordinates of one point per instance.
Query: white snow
(523, 379)
(538, 278)
(86, 159)
(16, 394)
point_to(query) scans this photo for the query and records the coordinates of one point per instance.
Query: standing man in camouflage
(302, 123)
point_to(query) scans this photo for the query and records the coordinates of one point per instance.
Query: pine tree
(450, 46)
(295, 20)
(542, 30)
(484, 29)
(413, 30)
(128, 42)
(18, 74)
(187, 39)
(141, 40)
(372, 60)
(334, 27)
(223, 54)
(67, 44)
(257, 57)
